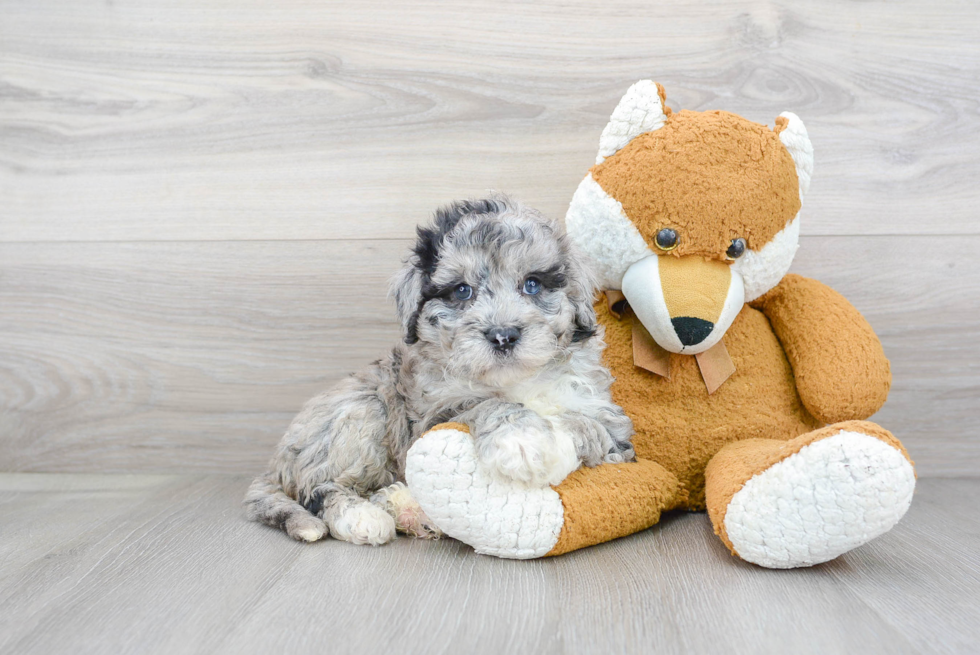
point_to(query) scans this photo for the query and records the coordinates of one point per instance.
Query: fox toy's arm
(840, 367)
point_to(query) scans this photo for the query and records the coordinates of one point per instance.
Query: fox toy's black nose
(691, 331)
(503, 339)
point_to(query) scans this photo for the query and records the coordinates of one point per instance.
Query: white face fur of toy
(493, 293)
(686, 302)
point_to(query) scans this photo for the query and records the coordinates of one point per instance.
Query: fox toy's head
(691, 214)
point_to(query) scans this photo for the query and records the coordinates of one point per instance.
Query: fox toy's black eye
(532, 286)
(736, 250)
(463, 292)
(666, 239)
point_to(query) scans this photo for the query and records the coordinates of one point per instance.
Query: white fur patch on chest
(552, 395)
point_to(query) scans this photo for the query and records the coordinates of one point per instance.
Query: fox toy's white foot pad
(830, 497)
(495, 515)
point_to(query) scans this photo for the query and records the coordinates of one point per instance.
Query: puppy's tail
(266, 502)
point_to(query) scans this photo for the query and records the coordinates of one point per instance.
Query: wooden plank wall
(200, 203)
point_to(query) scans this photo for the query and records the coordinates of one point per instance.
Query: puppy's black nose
(692, 331)
(503, 338)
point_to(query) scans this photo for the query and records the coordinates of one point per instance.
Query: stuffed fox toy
(748, 387)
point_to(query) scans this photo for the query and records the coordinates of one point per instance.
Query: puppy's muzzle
(685, 303)
(503, 339)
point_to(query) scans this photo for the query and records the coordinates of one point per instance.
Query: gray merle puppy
(500, 334)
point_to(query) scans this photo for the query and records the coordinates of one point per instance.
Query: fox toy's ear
(640, 110)
(793, 135)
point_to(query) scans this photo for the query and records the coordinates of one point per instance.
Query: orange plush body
(692, 220)
(681, 426)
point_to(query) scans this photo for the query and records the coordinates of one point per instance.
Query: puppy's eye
(736, 250)
(463, 292)
(666, 239)
(532, 286)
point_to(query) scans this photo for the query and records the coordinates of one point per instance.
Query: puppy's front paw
(409, 517)
(364, 523)
(529, 454)
(305, 527)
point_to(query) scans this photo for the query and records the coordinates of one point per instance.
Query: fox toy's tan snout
(685, 303)
(694, 293)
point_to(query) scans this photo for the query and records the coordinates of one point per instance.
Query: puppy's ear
(406, 289)
(582, 284)
(409, 284)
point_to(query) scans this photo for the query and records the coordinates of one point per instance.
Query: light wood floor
(166, 564)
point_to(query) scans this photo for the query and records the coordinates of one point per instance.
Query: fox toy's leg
(786, 504)
(512, 519)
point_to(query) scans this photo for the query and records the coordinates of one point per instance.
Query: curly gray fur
(351, 441)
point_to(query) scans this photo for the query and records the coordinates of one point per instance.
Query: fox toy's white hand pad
(495, 515)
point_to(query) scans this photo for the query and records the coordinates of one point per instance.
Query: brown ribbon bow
(715, 363)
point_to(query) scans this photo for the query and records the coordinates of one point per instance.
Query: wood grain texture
(178, 356)
(199, 206)
(164, 120)
(170, 357)
(165, 564)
